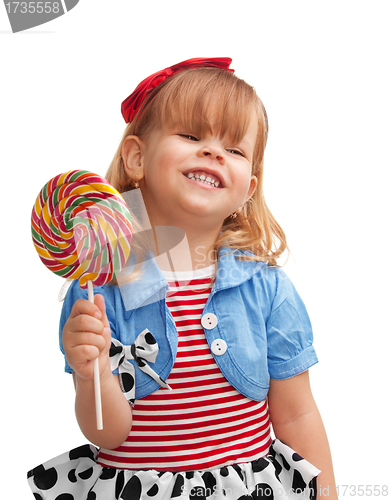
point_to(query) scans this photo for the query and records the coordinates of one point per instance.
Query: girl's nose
(214, 152)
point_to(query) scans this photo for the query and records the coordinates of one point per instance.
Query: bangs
(203, 101)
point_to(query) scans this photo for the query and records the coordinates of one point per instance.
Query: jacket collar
(232, 270)
(151, 286)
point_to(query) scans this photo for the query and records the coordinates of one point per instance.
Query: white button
(209, 321)
(218, 347)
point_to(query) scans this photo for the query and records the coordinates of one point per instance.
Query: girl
(227, 335)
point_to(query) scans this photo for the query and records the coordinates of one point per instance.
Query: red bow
(131, 105)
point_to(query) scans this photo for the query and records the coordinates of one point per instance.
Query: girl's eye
(236, 152)
(189, 136)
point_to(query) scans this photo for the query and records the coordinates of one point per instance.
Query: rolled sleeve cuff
(299, 364)
(68, 369)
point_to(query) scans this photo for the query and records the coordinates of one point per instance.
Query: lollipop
(81, 229)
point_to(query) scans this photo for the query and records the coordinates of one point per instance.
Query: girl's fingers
(86, 323)
(100, 304)
(88, 317)
(82, 306)
(89, 339)
(85, 353)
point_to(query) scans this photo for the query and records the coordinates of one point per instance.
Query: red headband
(131, 105)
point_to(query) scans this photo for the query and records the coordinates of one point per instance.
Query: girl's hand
(86, 336)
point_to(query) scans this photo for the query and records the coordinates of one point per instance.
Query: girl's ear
(132, 154)
(252, 188)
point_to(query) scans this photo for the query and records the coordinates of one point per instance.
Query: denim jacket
(254, 321)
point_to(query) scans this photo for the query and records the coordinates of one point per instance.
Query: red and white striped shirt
(203, 422)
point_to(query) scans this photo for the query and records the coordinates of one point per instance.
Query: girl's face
(176, 162)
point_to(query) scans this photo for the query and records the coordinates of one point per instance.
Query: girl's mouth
(204, 177)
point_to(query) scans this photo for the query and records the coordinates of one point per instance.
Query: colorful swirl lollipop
(81, 229)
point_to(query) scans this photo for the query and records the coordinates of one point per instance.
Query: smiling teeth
(203, 178)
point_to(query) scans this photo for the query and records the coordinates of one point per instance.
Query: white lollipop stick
(96, 377)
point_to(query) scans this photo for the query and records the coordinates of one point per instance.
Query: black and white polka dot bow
(145, 348)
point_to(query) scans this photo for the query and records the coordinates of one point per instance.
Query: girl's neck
(195, 251)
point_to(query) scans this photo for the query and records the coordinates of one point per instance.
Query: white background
(321, 69)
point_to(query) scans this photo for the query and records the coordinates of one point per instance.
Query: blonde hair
(186, 99)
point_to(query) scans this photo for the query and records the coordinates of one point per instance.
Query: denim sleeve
(289, 333)
(73, 294)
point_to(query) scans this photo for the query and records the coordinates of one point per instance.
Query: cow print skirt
(77, 476)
